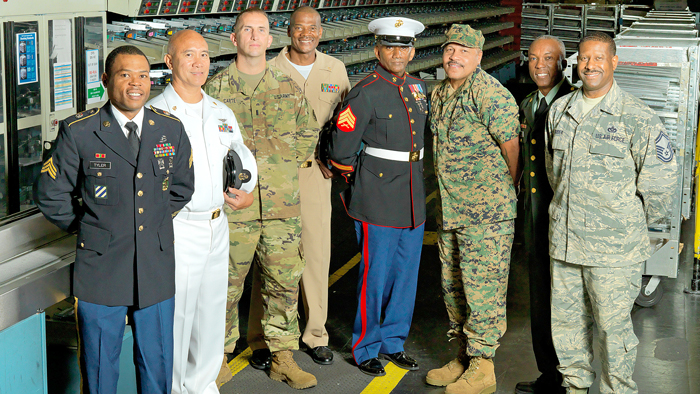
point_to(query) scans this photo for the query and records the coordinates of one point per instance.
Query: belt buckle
(414, 156)
(216, 214)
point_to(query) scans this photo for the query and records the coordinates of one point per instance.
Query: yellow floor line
(431, 196)
(343, 270)
(430, 238)
(239, 362)
(384, 384)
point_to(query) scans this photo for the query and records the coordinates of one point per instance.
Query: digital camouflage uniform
(477, 206)
(279, 127)
(613, 173)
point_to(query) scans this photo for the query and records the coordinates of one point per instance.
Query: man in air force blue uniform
(132, 168)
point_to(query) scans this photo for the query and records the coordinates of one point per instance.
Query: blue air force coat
(387, 112)
(125, 251)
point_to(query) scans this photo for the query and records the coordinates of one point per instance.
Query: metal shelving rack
(345, 33)
(536, 20)
(567, 24)
(602, 18)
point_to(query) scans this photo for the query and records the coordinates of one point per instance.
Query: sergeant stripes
(49, 168)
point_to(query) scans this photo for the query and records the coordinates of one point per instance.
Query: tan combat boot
(445, 375)
(285, 369)
(224, 374)
(479, 378)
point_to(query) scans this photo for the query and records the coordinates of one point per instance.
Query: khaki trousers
(315, 196)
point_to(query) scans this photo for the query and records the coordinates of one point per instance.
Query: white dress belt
(200, 215)
(394, 155)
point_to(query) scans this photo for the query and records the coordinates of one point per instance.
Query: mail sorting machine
(659, 62)
(148, 24)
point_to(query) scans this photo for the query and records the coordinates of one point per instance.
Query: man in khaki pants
(324, 81)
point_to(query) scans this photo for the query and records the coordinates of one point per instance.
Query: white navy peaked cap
(395, 30)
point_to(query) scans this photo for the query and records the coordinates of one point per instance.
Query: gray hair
(559, 42)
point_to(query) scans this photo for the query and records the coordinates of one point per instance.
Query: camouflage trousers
(475, 265)
(274, 246)
(582, 296)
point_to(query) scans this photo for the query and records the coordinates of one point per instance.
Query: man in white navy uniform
(201, 230)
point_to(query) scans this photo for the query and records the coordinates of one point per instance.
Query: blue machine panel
(23, 357)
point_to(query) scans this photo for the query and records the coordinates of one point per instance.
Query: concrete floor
(669, 332)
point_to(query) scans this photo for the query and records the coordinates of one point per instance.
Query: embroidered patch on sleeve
(664, 151)
(346, 120)
(49, 168)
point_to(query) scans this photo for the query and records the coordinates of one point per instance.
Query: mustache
(455, 64)
(592, 71)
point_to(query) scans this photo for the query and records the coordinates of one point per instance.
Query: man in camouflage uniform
(279, 127)
(611, 166)
(474, 120)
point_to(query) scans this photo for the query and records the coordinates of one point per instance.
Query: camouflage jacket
(613, 173)
(279, 127)
(468, 127)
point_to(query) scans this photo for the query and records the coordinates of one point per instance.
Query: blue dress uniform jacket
(387, 112)
(125, 251)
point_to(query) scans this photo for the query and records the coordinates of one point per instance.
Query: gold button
(140, 193)
(140, 228)
(532, 173)
(410, 110)
(532, 157)
(139, 175)
(533, 141)
(413, 121)
(534, 190)
(405, 98)
(167, 171)
(140, 210)
(381, 174)
(414, 133)
(390, 116)
(82, 244)
(414, 145)
(400, 88)
(99, 174)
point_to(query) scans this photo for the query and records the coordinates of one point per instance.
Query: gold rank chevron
(50, 168)
(346, 120)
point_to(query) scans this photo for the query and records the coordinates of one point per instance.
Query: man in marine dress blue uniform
(132, 168)
(385, 116)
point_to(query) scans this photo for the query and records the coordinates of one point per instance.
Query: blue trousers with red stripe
(386, 288)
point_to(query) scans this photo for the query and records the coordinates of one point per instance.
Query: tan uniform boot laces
(449, 373)
(285, 369)
(479, 378)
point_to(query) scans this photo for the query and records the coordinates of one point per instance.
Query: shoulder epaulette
(83, 115)
(163, 113)
(367, 79)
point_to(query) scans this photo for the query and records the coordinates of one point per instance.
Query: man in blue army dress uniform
(545, 62)
(385, 116)
(132, 168)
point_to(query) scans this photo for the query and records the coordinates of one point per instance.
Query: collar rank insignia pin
(151, 122)
(106, 123)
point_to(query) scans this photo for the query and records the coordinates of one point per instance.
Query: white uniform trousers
(201, 281)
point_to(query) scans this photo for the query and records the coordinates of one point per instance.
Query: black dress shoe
(261, 359)
(539, 387)
(321, 355)
(372, 367)
(402, 360)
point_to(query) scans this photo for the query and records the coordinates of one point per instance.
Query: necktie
(133, 138)
(541, 109)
